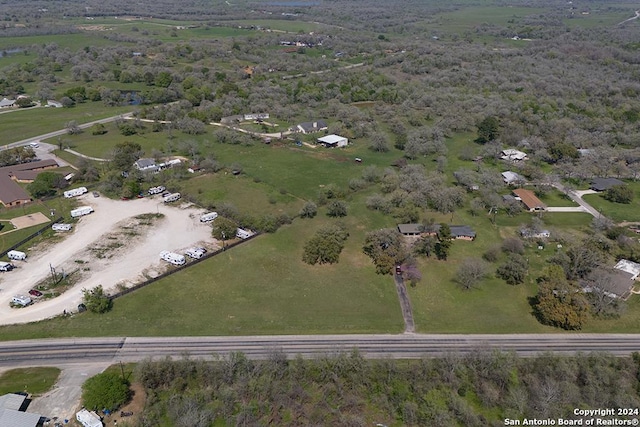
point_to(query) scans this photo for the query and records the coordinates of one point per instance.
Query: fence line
(180, 268)
(26, 239)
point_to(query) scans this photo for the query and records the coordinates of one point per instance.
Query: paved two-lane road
(69, 351)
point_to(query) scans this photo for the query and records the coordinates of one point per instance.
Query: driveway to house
(576, 196)
(567, 209)
(405, 304)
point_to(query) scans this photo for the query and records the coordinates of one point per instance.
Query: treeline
(478, 389)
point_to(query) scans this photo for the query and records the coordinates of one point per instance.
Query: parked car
(35, 293)
(398, 269)
(96, 194)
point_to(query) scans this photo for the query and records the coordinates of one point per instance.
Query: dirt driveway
(108, 247)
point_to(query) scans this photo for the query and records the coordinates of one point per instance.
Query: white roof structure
(10, 414)
(332, 139)
(512, 154)
(7, 102)
(630, 267)
(89, 419)
(511, 177)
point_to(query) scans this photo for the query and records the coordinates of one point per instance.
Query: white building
(630, 267)
(512, 178)
(89, 419)
(331, 141)
(513, 155)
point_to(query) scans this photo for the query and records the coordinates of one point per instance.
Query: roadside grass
(618, 212)
(44, 120)
(35, 381)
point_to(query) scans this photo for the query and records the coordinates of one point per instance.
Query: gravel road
(179, 229)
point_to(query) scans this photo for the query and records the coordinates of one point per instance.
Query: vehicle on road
(34, 145)
(398, 269)
(35, 293)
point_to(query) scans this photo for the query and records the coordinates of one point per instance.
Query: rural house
(614, 283)
(311, 127)
(603, 184)
(529, 200)
(331, 141)
(146, 165)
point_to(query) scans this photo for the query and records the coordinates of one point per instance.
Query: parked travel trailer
(5, 266)
(208, 217)
(75, 192)
(171, 197)
(89, 419)
(61, 227)
(82, 210)
(17, 255)
(21, 300)
(243, 234)
(156, 190)
(195, 253)
(172, 257)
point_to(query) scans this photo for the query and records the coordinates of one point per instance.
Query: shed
(511, 178)
(331, 141)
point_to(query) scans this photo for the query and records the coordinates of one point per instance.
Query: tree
(488, 130)
(470, 272)
(619, 194)
(385, 248)
(96, 300)
(73, 128)
(514, 270)
(379, 143)
(559, 303)
(513, 245)
(443, 245)
(125, 154)
(337, 208)
(425, 245)
(98, 129)
(46, 184)
(309, 210)
(107, 390)
(223, 228)
(326, 245)
(24, 102)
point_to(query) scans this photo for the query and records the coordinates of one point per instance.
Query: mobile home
(195, 253)
(172, 257)
(208, 217)
(17, 255)
(75, 192)
(82, 210)
(171, 197)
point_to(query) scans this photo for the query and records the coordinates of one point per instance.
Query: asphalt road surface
(69, 351)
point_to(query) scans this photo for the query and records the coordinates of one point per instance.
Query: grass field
(618, 212)
(44, 120)
(35, 381)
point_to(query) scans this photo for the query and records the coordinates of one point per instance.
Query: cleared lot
(92, 248)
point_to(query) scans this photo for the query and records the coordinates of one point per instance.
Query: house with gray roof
(311, 127)
(146, 165)
(12, 412)
(603, 184)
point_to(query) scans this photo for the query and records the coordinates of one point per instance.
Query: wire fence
(31, 236)
(181, 267)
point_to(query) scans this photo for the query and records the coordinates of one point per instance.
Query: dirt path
(126, 261)
(405, 304)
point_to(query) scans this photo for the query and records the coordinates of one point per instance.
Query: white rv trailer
(61, 227)
(195, 253)
(243, 234)
(17, 255)
(89, 419)
(156, 190)
(82, 210)
(75, 192)
(5, 266)
(208, 217)
(172, 257)
(22, 300)
(171, 197)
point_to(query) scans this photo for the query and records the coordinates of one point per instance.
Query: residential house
(529, 199)
(146, 165)
(12, 412)
(331, 141)
(529, 233)
(311, 127)
(614, 283)
(459, 232)
(7, 103)
(11, 194)
(630, 267)
(54, 104)
(512, 178)
(513, 155)
(603, 184)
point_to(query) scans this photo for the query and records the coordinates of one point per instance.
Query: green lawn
(43, 120)
(616, 211)
(35, 381)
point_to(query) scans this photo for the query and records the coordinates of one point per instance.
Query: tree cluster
(326, 245)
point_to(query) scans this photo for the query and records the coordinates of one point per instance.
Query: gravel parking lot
(107, 247)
